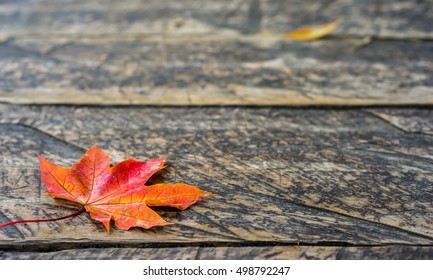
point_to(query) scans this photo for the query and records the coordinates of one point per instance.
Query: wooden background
(300, 169)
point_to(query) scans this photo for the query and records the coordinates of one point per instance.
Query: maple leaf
(117, 193)
(313, 32)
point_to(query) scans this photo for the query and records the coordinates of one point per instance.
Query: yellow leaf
(313, 32)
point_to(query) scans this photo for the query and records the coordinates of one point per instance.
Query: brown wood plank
(281, 175)
(242, 71)
(399, 19)
(232, 253)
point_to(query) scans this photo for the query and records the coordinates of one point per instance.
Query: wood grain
(379, 18)
(211, 71)
(317, 253)
(281, 175)
(291, 183)
(221, 53)
(408, 120)
(174, 253)
(231, 253)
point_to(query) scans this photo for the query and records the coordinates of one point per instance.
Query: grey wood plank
(398, 19)
(281, 175)
(231, 253)
(317, 253)
(408, 120)
(241, 71)
(173, 253)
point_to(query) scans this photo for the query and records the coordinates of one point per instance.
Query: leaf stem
(43, 220)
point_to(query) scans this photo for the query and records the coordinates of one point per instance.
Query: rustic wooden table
(303, 161)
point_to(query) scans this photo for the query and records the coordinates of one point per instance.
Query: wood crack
(228, 252)
(37, 130)
(64, 245)
(399, 127)
(321, 209)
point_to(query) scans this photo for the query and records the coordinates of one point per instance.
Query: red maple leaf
(117, 193)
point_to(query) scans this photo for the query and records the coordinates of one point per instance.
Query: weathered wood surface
(317, 252)
(233, 253)
(217, 53)
(285, 176)
(408, 120)
(291, 183)
(380, 18)
(238, 71)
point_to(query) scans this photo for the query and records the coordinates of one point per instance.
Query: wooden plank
(242, 71)
(174, 253)
(281, 175)
(232, 253)
(408, 120)
(398, 19)
(317, 253)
